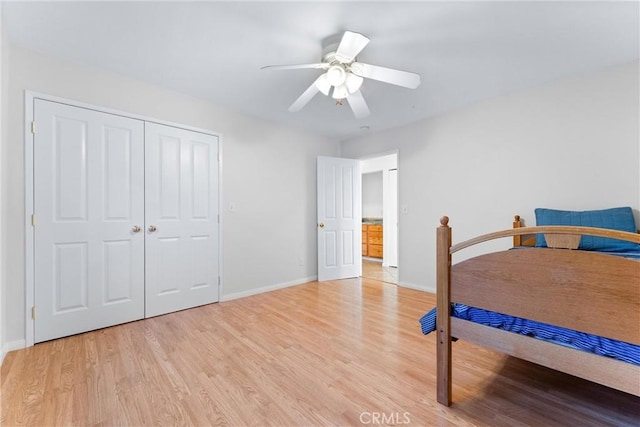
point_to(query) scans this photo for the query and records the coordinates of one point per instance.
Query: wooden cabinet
(372, 240)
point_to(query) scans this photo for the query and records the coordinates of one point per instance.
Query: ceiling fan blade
(321, 66)
(358, 104)
(387, 75)
(350, 46)
(304, 99)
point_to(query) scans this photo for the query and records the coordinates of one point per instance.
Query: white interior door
(339, 218)
(182, 229)
(88, 201)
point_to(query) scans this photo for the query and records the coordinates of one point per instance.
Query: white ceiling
(464, 51)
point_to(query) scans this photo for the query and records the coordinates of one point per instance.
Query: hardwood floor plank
(336, 353)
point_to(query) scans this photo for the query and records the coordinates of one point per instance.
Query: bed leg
(444, 368)
(443, 320)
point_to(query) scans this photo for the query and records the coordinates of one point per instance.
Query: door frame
(395, 153)
(29, 99)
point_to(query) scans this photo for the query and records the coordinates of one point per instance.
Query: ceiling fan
(345, 74)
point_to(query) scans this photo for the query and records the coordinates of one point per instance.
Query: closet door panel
(88, 197)
(181, 170)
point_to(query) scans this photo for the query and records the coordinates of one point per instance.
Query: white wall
(569, 145)
(382, 162)
(269, 240)
(372, 195)
(2, 139)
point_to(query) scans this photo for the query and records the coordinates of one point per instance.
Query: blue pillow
(615, 219)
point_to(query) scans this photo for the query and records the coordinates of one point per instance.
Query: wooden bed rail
(546, 229)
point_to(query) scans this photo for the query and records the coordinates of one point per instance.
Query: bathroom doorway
(380, 217)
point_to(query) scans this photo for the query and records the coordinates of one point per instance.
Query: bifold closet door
(88, 225)
(181, 210)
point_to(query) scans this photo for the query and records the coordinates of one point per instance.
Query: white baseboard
(409, 285)
(268, 288)
(10, 346)
(277, 286)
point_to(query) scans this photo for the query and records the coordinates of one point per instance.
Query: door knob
(152, 228)
(321, 225)
(136, 229)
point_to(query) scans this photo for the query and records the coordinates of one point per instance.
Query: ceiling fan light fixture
(336, 75)
(323, 85)
(340, 92)
(353, 82)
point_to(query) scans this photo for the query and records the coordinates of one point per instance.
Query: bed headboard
(526, 239)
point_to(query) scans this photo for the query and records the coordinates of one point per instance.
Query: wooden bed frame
(581, 290)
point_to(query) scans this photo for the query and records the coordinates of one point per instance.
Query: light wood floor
(336, 353)
(375, 270)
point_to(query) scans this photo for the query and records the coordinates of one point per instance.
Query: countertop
(371, 221)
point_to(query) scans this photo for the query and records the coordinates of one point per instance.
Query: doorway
(380, 217)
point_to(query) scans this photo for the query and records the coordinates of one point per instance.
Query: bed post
(517, 240)
(443, 320)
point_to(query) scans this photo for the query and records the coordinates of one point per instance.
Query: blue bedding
(579, 340)
(591, 343)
